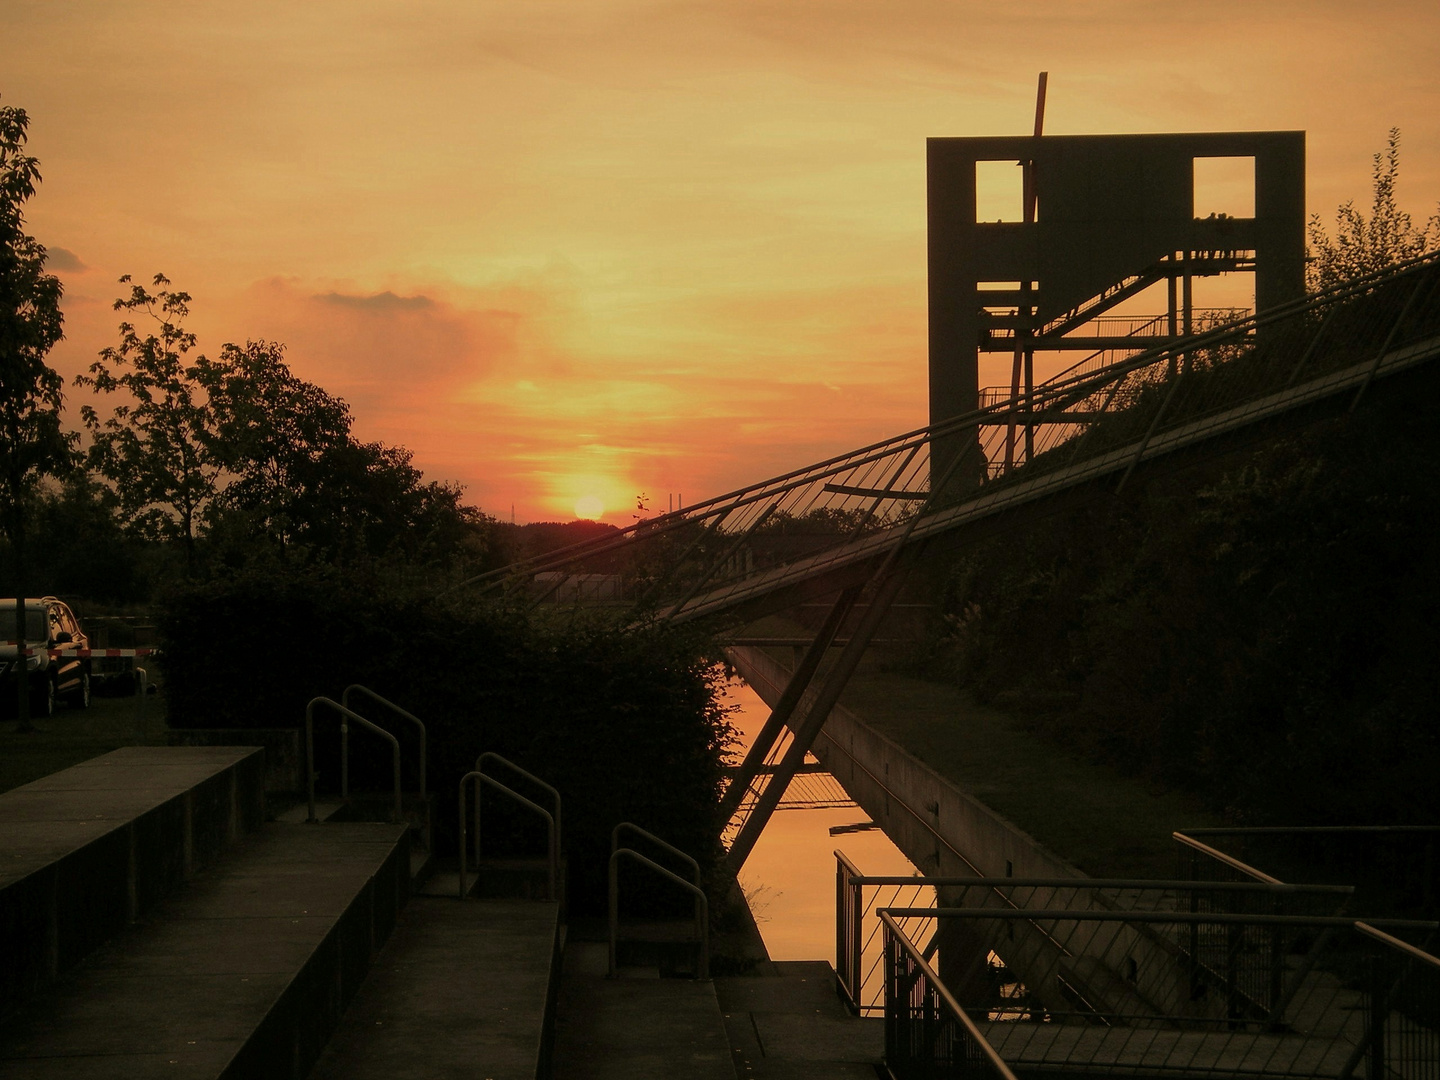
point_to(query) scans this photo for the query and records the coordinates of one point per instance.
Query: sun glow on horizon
(590, 506)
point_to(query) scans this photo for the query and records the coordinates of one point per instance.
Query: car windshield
(35, 624)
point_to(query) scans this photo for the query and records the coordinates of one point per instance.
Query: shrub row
(626, 725)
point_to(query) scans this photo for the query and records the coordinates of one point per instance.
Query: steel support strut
(785, 707)
(814, 718)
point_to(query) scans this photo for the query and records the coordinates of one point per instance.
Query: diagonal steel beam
(785, 707)
(814, 719)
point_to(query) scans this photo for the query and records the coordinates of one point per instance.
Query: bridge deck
(1078, 1048)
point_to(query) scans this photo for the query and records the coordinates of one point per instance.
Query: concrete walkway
(460, 990)
(794, 1027)
(635, 1028)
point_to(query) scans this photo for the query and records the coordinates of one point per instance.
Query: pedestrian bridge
(835, 523)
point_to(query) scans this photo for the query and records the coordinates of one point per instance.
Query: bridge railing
(848, 510)
(1395, 868)
(927, 1033)
(1345, 998)
(1036, 952)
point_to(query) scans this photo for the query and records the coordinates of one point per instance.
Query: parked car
(49, 624)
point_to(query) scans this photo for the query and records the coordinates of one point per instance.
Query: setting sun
(589, 506)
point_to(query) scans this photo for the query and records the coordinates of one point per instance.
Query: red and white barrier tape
(85, 653)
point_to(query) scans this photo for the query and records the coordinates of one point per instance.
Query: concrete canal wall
(941, 829)
(946, 832)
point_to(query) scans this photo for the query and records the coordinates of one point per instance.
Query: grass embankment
(75, 735)
(1107, 822)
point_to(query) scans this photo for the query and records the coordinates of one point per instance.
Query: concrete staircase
(153, 923)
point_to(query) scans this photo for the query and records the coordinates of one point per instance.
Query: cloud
(64, 260)
(378, 302)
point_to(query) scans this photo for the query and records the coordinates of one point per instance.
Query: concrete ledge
(284, 762)
(243, 973)
(86, 851)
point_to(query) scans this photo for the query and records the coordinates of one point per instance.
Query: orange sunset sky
(586, 249)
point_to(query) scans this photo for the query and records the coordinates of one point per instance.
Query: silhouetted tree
(1361, 245)
(158, 448)
(272, 431)
(32, 444)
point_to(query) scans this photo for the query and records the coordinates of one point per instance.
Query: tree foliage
(273, 430)
(242, 450)
(1363, 245)
(32, 442)
(157, 447)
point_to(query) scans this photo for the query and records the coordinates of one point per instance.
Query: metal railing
(1401, 1039)
(491, 755)
(1033, 949)
(1395, 868)
(553, 848)
(663, 845)
(927, 1033)
(346, 715)
(1201, 862)
(702, 903)
(1140, 997)
(838, 518)
(344, 739)
(858, 947)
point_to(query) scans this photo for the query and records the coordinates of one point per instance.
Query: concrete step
(244, 972)
(299, 814)
(464, 988)
(87, 850)
(791, 1025)
(635, 1029)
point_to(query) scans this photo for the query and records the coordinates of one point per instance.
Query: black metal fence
(1026, 955)
(1216, 994)
(927, 1034)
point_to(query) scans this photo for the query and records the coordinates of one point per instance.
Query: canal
(789, 878)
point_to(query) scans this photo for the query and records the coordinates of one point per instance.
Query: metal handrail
(344, 758)
(702, 908)
(491, 755)
(346, 714)
(981, 1043)
(1225, 860)
(482, 778)
(671, 848)
(1218, 918)
(1412, 951)
(1267, 888)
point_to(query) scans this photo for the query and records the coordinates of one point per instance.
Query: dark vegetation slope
(1261, 629)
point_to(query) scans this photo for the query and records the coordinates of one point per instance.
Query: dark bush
(626, 724)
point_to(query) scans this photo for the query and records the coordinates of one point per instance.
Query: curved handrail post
(671, 848)
(481, 778)
(345, 714)
(491, 755)
(345, 700)
(702, 908)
